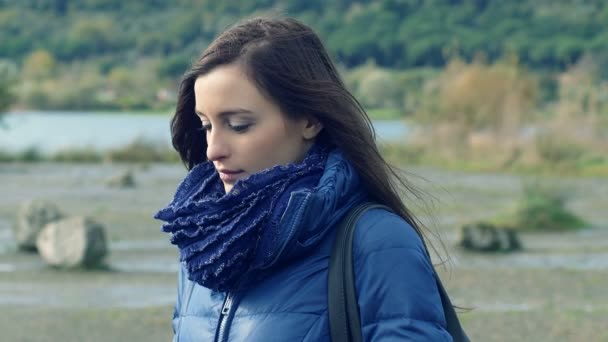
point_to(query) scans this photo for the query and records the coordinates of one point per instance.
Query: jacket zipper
(221, 334)
(222, 331)
(292, 229)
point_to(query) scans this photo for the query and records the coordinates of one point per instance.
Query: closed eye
(206, 127)
(240, 128)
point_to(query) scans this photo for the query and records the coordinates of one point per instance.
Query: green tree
(8, 78)
(39, 64)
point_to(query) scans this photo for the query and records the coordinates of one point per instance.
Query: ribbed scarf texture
(218, 234)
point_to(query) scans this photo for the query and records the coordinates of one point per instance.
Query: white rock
(72, 242)
(31, 218)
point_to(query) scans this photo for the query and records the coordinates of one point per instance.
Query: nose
(217, 147)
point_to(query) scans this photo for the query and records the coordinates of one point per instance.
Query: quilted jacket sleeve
(397, 293)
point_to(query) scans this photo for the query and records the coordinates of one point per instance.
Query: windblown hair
(288, 63)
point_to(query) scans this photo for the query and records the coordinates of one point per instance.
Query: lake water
(50, 132)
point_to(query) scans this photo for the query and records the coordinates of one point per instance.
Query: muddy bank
(554, 290)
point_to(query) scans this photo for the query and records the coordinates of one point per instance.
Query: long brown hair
(289, 64)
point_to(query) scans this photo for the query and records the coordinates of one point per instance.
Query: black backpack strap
(344, 321)
(451, 319)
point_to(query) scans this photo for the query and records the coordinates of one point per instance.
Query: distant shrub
(40, 64)
(374, 86)
(582, 90)
(30, 154)
(378, 89)
(402, 154)
(388, 89)
(6, 157)
(385, 114)
(480, 96)
(8, 80)
(557, 150)
(542, 208)
(83, 155)
(141, 151)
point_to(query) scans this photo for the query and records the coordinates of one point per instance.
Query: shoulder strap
(344, 321)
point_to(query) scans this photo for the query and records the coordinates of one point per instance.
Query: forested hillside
(490, 84)
(121, 54)
(406, 33)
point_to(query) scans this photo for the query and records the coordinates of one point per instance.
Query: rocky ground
(553, 291)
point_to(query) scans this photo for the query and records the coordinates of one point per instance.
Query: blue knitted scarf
(218, 234)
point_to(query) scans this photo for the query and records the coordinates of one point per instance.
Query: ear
(311, 128)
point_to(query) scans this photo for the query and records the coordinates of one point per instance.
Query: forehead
(226, 86)
(223, 76)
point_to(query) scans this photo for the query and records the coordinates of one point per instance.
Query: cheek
(256, 151)
(270, 148)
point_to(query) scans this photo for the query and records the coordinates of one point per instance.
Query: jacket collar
(311, 214)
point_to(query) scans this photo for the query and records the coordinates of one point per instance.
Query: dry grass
(487, 117)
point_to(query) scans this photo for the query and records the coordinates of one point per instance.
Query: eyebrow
(228, 112)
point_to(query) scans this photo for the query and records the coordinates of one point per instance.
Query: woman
(278, 151)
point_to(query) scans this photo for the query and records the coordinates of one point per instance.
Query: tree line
(546, 34)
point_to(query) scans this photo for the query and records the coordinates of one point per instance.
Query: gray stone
(31, 218)
(486, 237)
(73, 242)
(122, 180)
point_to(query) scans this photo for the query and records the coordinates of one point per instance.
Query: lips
(230, 176)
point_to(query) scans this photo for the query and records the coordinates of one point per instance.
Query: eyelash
(236, 128)
(240, 128)
(205, 127)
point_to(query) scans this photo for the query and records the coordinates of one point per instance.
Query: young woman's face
(246, 132)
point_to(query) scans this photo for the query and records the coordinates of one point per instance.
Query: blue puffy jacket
(397, 294)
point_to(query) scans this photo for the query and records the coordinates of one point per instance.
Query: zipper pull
(227, 304)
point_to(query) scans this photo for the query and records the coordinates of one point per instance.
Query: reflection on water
(54, 131)
(50, 132)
